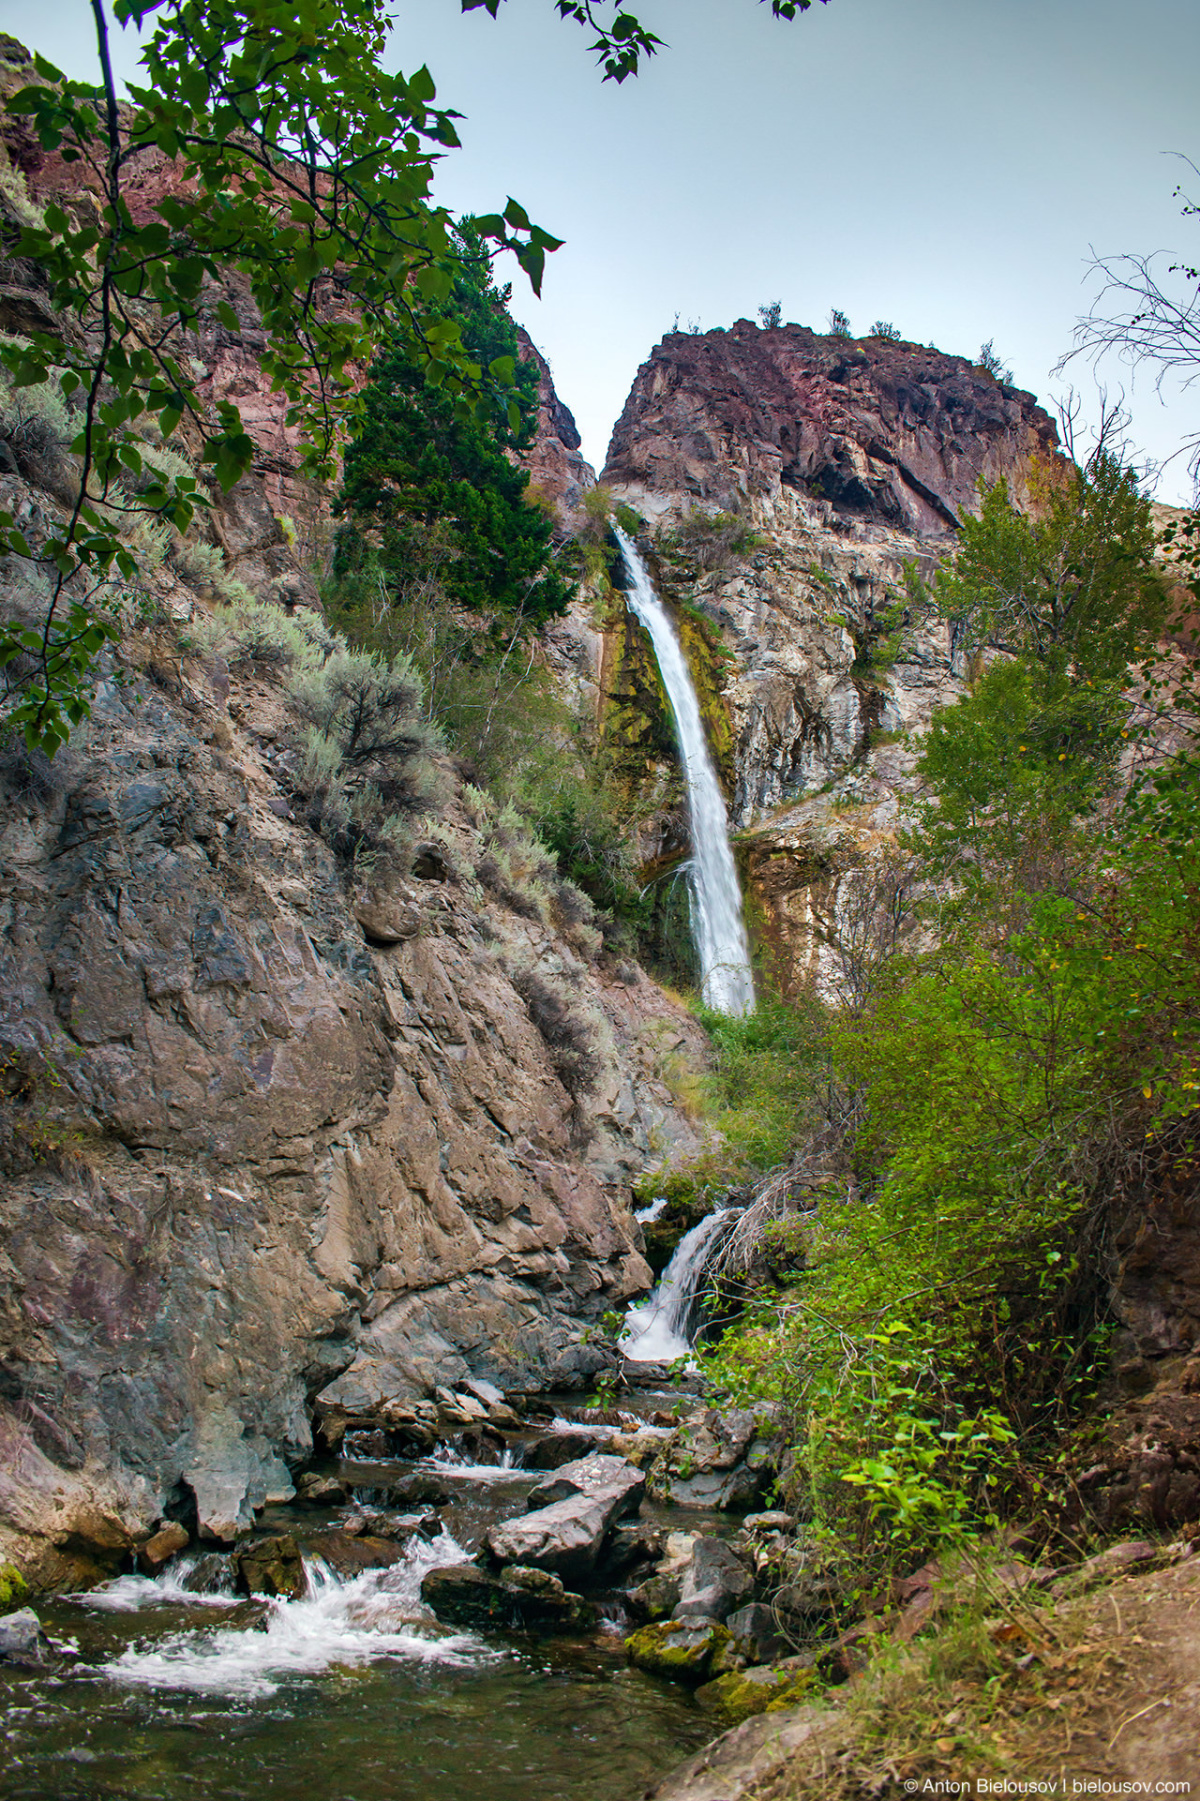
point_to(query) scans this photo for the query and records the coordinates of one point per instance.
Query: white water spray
(338, 1624)
(718, 926)
(657, 1331)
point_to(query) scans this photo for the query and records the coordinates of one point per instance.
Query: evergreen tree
(436, 485)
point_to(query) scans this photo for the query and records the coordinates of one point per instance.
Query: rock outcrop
(887, 433)
(282, 1138)
(786, 479)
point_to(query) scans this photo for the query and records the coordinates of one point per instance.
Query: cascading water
(718, 926)
(658, 1330)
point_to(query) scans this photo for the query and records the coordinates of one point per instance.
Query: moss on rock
(739, 1694)
(14, 1590)
(680, 1648)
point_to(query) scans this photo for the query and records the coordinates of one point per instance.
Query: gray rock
(756, 1633)
(22, 1639)
(726, 1490)
(557, 1448)
(517, 1599)
(609, 1477)
(565, 1538)
(714, 1581)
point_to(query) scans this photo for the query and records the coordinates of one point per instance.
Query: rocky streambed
(554, 1602)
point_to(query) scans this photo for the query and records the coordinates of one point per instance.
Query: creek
(354, 1693)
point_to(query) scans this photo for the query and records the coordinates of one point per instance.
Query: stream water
(661, 1329)
(717, 923)
(354, 1693)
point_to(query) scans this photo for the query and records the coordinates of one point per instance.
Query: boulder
(657, 1597)
(22, 1639)
(632, 1544)
(610, 1478)
(757, 1633)
(271, 1566)
(565, 1538)
(714, 1582)
(681, 1648)
(349, 1554)
(211, 1574)
(557, 1448)
(518, 1599)
(372, 1522)
(320, 1490)
(726, 1491)
(419, 1491)
(739, 1694)
(159, 1549)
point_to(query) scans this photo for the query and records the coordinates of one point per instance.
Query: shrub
(883, 328)
(839, 324)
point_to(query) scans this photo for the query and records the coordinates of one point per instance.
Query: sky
(947, 165)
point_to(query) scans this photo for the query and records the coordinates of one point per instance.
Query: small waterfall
(718, 926)
(658, 1330)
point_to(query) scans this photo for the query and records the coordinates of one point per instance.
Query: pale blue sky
(944, 164)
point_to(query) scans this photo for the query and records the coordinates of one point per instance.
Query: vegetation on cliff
(1016, 1072)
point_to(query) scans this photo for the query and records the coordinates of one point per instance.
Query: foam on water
(377, 1614)
(659, 1330)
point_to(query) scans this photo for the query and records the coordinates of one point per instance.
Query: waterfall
(658, 1330)
(717, 923)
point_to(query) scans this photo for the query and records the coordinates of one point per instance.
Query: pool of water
(354, 1693)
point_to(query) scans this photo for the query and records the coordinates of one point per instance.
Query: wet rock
(372, 1446)
(740, 1694)
(757, 1633)
(713, 1583)
(484, 1391)
(727, 1491)
(13, 1588)
(271, 1566)
(565, 1538)
(419, 1491)
(211, 1574)
(373, 1523)
(630, 1546)
(657, 1597)
(518, 1599)
(610, 1478)
(557, 1448)
(164, 1545)
(772, 1521)
(349, 1554)
(681, 1648)
(321, 1490)
(22, 1639)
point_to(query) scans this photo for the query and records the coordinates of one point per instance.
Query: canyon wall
(786, 479)
(285, 1140)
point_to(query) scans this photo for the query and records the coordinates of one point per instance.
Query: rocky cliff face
(890, 433)
(280, 1141)
(786, 478)
(275, 1141)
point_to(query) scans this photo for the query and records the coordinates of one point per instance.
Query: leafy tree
(305, 168)
(771, 315)
(1074, 586)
